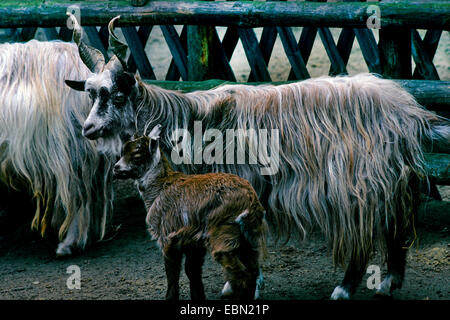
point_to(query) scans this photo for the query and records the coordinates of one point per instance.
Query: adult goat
(350, 151)
(42, 150)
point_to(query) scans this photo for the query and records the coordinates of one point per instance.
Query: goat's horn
(118, 48)
(92, 58)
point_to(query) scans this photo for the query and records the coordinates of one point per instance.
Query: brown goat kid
(188, 214)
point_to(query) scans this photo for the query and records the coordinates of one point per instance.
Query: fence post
(395, 52)
(200, 59)
(200, 55)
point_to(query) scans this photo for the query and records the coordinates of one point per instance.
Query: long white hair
(348, 149)
(41, 145)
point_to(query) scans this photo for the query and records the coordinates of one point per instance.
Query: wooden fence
(198, 53)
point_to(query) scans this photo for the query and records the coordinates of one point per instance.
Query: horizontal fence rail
(421, 14)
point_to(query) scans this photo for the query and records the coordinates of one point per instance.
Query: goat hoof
(227, 291)
(63, 251)
(340, 293)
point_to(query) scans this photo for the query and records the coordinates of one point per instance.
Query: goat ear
(154, 134)
(76, 85)
(125, 81)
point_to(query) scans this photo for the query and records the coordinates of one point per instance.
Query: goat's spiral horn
(92, 58)
(118, 48)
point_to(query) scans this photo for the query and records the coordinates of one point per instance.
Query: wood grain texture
(419, 14)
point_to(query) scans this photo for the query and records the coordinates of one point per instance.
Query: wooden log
(254, 55)
(103, 33)
(200, 61)
(434, 95)
(95, 40)
(369, 49)
(225, 72)
(27, 34)
(137, 50)
(344, 48)
(143, 34)
(293, 53)
(424, 64)
(419, 14)
(305, 43)
(395, 52)
(176, 49)
(65, 34)
(230, 41)
(50, 34)
(138, 3)
(173, 73)
(430, 44)
(437, 166)
(338, 65)
(266, 44)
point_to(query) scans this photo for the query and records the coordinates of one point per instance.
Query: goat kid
(192, 213)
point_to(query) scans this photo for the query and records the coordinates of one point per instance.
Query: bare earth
(128, 264)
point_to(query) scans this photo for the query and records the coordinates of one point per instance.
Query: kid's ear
(154, 134)
(76, 85)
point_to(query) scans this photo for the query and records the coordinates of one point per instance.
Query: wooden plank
(419, 14)
(424, 64)
(431, 41)
(138, 3)
(344, 47)
(224, 70)
(369, 49)
(254, 54)
(230, 40)
(395, 52)
(332, 51)
(143, 34)
(173, 73)
(176, 48)
(104, 36)
(305, 44)
(430, 44)
(293, 53)
(50, 34)
(437, 166)
(266, 44)
(65, 34)
(435, 95)
(138, 52)
(200, 56)
(94, 39)
(27, 34)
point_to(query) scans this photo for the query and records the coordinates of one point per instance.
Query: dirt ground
(128, 265)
